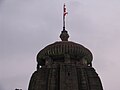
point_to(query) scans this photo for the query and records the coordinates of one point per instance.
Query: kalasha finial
(64, 35)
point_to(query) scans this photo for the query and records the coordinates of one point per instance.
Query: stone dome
(62, 48)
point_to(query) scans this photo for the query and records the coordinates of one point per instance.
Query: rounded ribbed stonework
(59, 49)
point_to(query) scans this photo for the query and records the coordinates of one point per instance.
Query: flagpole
(64, 17)
(63, 22)
(64, 14)
(64, 35)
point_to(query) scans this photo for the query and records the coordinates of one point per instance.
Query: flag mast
(64, 34)
(64, 14)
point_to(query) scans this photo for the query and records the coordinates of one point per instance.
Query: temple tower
(65, 65)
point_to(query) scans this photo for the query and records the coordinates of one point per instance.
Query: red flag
(65, 12)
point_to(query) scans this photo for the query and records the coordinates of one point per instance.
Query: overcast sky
(27, 26)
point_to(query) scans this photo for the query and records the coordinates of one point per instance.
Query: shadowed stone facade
(65, 65)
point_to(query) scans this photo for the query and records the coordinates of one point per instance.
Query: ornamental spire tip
(64, 35)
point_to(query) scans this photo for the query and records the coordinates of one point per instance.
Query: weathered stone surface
(65, 77)
(59, 49)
